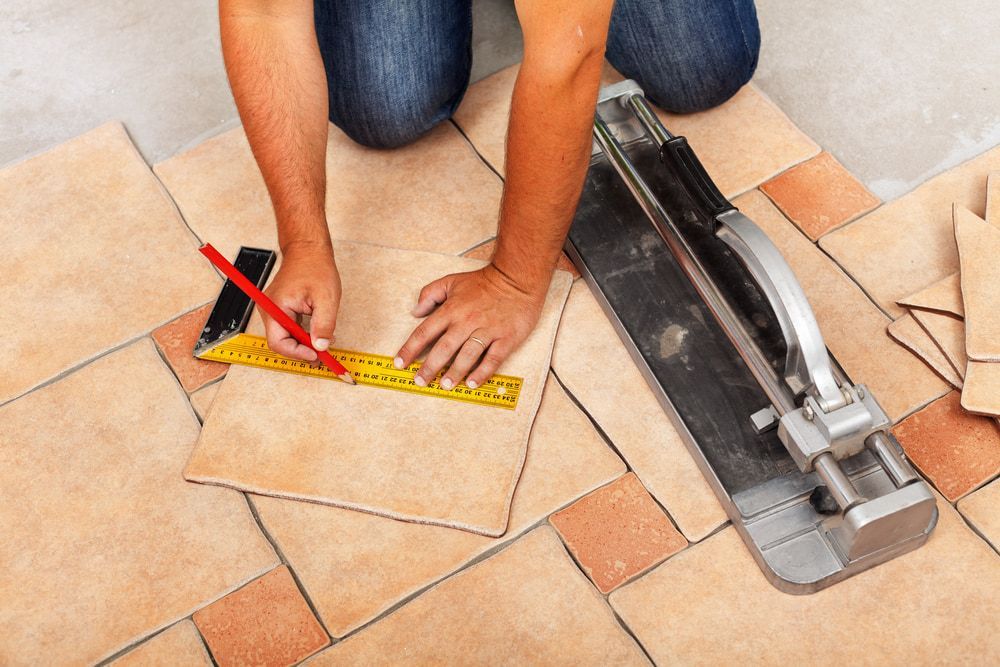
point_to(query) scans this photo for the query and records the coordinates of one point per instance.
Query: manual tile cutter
(800, 457)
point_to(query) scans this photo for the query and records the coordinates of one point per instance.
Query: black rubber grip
(677, 155)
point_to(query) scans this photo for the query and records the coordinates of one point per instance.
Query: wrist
(527, 275)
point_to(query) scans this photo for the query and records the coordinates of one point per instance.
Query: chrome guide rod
(837, 482)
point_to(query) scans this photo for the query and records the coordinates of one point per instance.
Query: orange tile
(819, 195)
(176, 341)
(485, 252)
(267, 622)
(958, 451)
(617, 532)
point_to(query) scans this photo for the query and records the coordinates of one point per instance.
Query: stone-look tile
(202, 399)
(948, 333)
(355, 566)
(913, 337)
(434, 194)
(981, 393)
(528, 604)
(944, 296)
(742, 143)
(908, 244)
(982, 510)
(96, 255)
(978, 249)
(710, 604)
(485, 253)
(957, 451)
(819, 195)
(267, 622)
(176, 341)
(179, 644)
(853, 328)
(617, 533)
(393, 453)
(993, 199)
(625, 408)
(104, 541)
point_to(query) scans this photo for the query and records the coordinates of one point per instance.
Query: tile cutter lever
(801, 458)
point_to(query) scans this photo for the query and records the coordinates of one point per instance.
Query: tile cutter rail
(801, 458)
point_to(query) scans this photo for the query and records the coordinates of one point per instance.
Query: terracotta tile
(982, 510)
(617, 533)
(981, 393)
(485, 253)
(819, 195)
(105, 542)
(444, 462)
(202, 399)
(267, 622)
(89, 232)
(913, 337)
(710, 604)
(742, 143)
(908, 244)
(435, 194)
(944, 296)
(526, 605)
(978, 248)
(176, 341)
(853, 328)
(955, 450)
(355, 566)
(949, 335)
(179, 644)
(628, 412)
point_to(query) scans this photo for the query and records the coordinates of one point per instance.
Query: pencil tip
(346, 377)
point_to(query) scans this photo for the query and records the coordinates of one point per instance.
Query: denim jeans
(397, 69)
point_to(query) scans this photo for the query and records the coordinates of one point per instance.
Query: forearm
(278, 81)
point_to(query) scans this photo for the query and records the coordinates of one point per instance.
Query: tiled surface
(944, 296)
(355, 565)
(176, 341)
(105, 542)
(179, 644)
(949, 335)
(980, 509)
(485, 253)
(854, 330)
(913, 337)
(628, 412)
(957, 451)
(396, 454)
(981, 393)
(617, 532)
(95, 255)
(267, 622)
(908, 244)
(819, 195)
(500, 611)
(201, 400)
(711, 605)
(979, 248)
(435, 194)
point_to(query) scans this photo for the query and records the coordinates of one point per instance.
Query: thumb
(322, 323)
(431, 296)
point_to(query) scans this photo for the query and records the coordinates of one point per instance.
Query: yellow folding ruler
(224, 339)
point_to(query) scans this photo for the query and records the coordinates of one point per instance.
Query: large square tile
(908, 333)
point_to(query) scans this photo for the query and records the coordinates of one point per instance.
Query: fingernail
(321, 343)
(447, 383)
(419, 381)
(398, 362)
(471, 384)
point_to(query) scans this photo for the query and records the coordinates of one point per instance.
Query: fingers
(467, 356)
(431, 296)
(498, 351)
(282, 342)
(425, 333)
(322, 324)
(440, 354)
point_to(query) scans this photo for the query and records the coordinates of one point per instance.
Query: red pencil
(271, 308)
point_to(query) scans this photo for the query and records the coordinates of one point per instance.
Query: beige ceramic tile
(982, 510)
(853, 328)
(485, 253)
(912, 336)
(355, 566)
(628, 412)
(104, 541)
(993, 198)
(435, 194)
(710, 605)
(95, 255)
(179, 644)
(201, 400)
(526, 605)
(943, 296)
(979, 250)
(981, 393)
(397, 454)
(908, 244)
(948, 333)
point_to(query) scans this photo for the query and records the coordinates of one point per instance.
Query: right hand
(306, 284)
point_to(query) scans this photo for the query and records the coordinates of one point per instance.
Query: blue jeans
(397, 69)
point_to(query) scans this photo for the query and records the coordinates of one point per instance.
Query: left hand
(476, 320)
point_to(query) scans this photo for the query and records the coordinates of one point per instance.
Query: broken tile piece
(434, 194)
(908, 244)
(355, 566)
(982, 509)
(617, 533)
(179, 644)
(528, 604)
(104, 542)
(397, 454)
(956, 450)
(267, 622)
(981, 393)
(895, 613)
(201, 400)
(948, 333)
(853, 328)
(176, 341)
(978, 249)
(944, 296)
(96, 255)
(913, 337)
(819, 195)
(485, 253)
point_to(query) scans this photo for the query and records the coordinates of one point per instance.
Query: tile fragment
(176, 341)
(944, 296)
(982, 510)
(202, 399)
(979, 248)
(949, 335)
(908, 333)
(180, 644)
(981, 393)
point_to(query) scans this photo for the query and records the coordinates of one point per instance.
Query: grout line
(476, 150)
(204, 642)
(136, 644)
(478, 245)
(976, 530)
